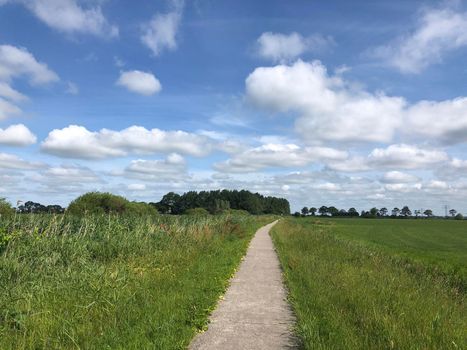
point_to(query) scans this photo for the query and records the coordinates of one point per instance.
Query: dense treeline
(219, 201)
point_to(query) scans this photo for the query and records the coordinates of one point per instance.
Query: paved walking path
(254, 313)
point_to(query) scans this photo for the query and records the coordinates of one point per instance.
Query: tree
(305, 211)
(395, 212)
(333, 211)
(352, 212)
(459, 217)
(374, 212)
(313, 211)
(323, 210)
(428, 213)
(383, 211)
(406, 211)
(296, 214)
(453, 212)
(5, 208)
(417, 212)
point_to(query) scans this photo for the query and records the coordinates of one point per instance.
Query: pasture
(379, 284)
(114, 282)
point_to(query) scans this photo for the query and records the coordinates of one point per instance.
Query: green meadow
(376, 284)
(114, 282)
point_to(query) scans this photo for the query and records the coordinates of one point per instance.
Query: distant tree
(352, 212)
(406, 211)
(383, 211)
(323, 210)
(453, 212)
(313, 211)
(374, 212)
(343, 212)
(305, 211)
(459, 216)
(170, 203)
(296, 214)
(417, 212)
(55, 209)
(395, 212)
(333, 211)
(428, 213)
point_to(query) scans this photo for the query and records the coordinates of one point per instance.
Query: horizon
(341, 104)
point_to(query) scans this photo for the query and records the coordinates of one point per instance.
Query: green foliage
(115, 282)
(197, 212)
(459, 216)
(220, 201)
(5, 208)
(375, 284)
(107, 203)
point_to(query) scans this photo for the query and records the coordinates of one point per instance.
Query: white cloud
(437, 185)
(173, 167)
(8, 92)
(282, 47)
(137, 187)
(439, 31)
(445, 121)
(398, 177)
(7, 109)
(15, 62)
(398, 156)
(161, 32)
(69, 16)
(330, 109)
(11, 161)
(277, 156)
(17, 135)
(140, 82)
(78, 142)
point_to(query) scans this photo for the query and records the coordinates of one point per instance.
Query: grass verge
(349, 295)
(109, 282)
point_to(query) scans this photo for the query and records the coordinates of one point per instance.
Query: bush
(105, 203)
(197, 212)
(5, 208)
(459, 217)
(237, 212)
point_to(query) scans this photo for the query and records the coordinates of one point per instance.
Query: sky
(352, 104)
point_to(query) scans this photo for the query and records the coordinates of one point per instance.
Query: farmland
(108, 281)
(358, 283)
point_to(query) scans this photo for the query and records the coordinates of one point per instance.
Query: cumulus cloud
(161, 32)
(398, 177)
(277, 156)
(140, 82)
(330, 109)
(173, 167)
(17, 135)
(17, 61)
(438, 32)
(12, 161)
(69, 16)
(398, 156)
(284, 47)
(77, 142)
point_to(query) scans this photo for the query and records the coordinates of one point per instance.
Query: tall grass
(114, 282)
(349, 295)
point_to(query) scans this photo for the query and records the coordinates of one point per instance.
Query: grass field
(114, 282)
(376, 284)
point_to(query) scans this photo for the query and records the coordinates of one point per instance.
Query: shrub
(105, 203)
(5, 208)
(459, 217)
(197, 212)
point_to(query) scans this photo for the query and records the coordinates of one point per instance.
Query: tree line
(221, 200)
(374, 212)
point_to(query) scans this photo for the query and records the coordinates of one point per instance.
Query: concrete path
(254, 313)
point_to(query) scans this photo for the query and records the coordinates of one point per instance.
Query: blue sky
(360, 103)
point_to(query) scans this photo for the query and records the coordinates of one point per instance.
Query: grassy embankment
(112, 282)
(376, 284)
